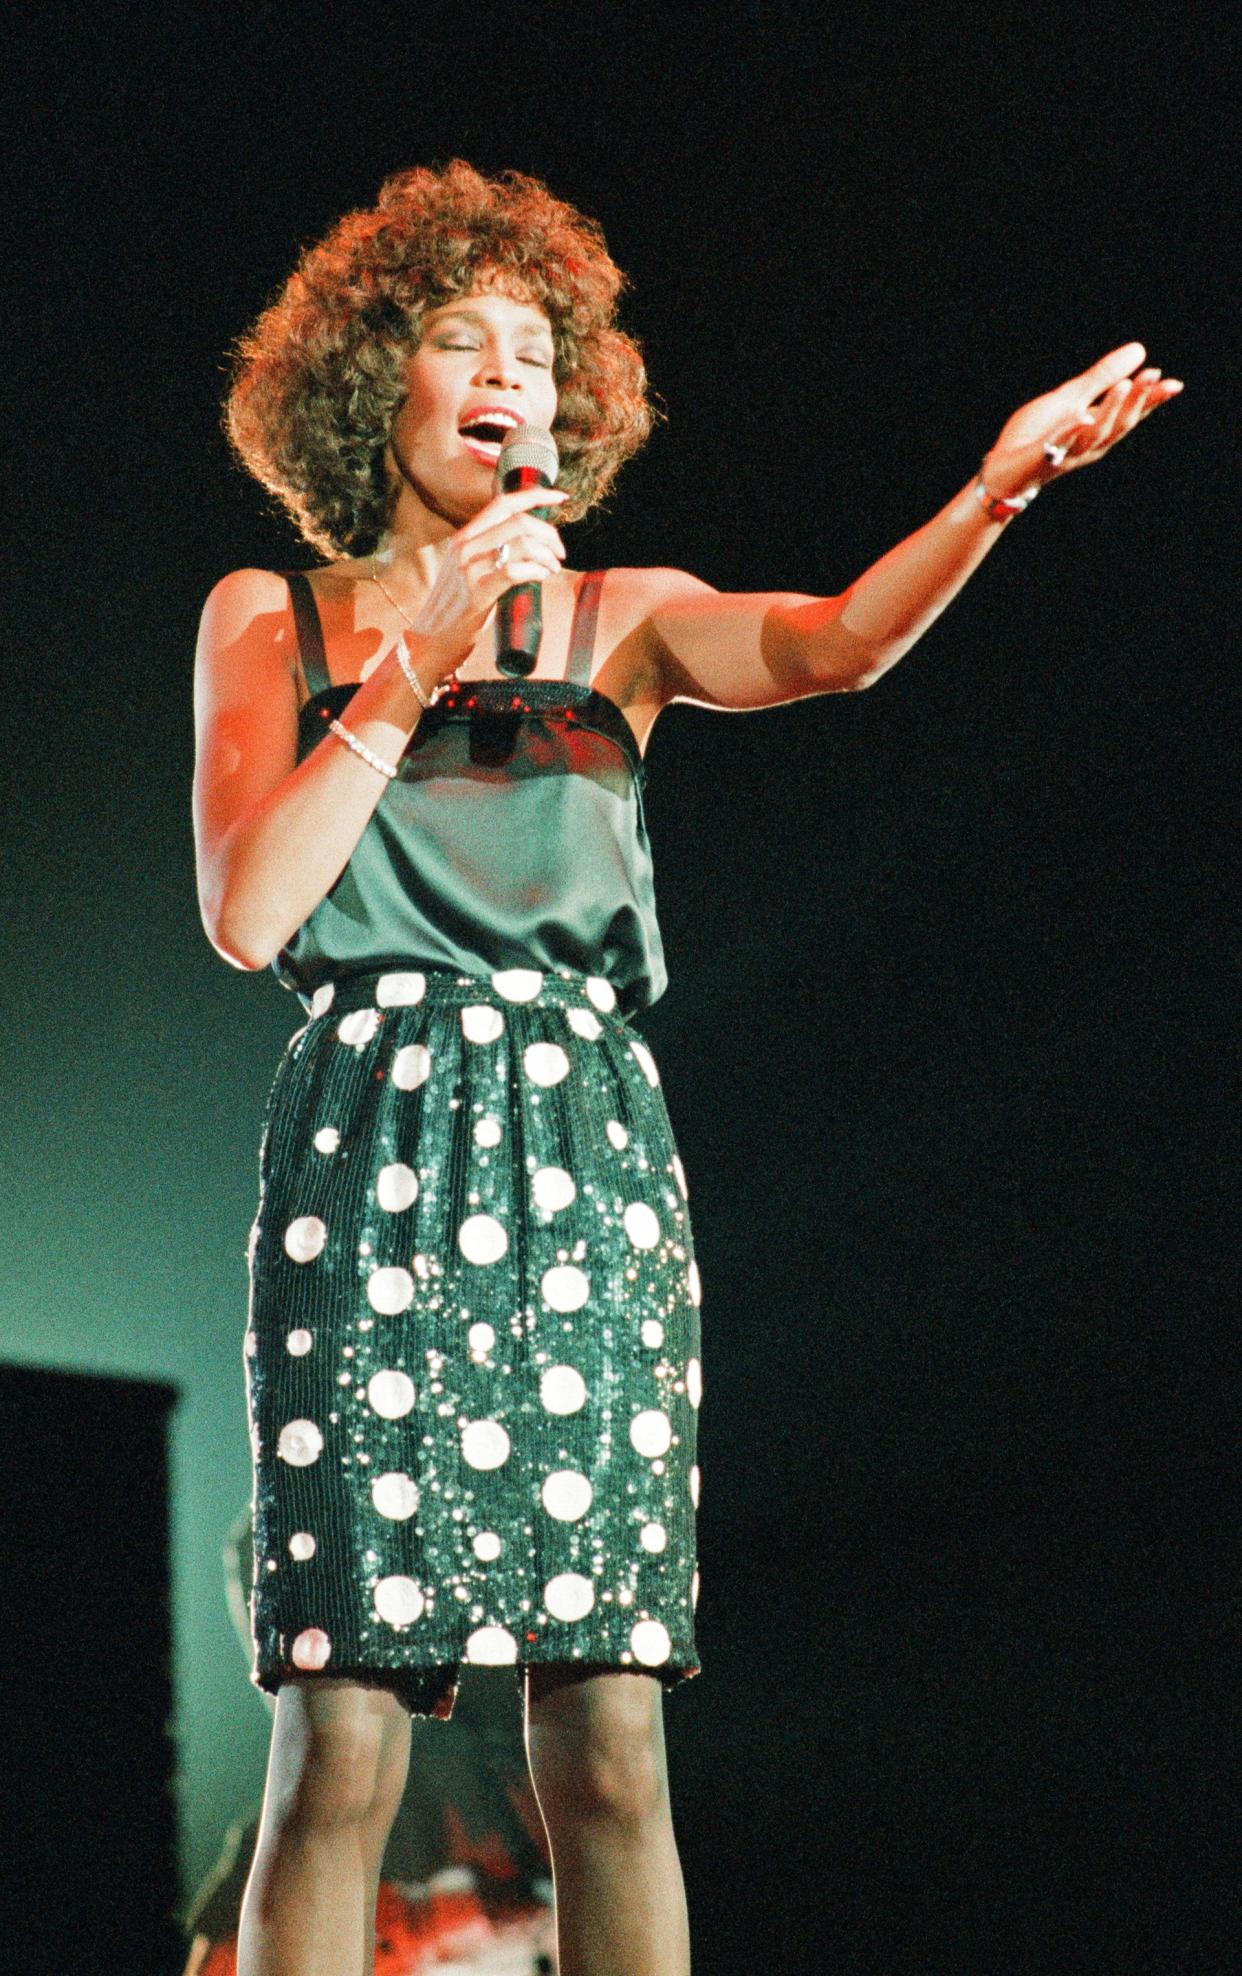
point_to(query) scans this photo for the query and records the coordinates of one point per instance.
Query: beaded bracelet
(416, 685)
(351, 740)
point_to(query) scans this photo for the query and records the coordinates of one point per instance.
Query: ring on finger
(1054, 452)
(501, 556)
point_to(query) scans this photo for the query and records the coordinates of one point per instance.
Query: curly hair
(317, 382)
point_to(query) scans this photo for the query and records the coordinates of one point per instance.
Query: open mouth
(485, 433)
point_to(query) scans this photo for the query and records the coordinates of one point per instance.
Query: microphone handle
(519, 613)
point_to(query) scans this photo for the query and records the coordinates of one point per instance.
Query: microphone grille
(529, 446)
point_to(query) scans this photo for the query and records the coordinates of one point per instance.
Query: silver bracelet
(416, 684)
(1001, 507)
(351, 740)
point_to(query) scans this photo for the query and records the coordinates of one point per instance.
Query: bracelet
(351, 740)
(1001, 507)
(415, 683)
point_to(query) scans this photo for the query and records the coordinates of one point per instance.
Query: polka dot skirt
(473, 1353)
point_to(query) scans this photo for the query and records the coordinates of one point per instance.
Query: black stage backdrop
(948, 1035)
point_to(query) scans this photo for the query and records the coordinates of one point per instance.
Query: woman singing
(473, 1358)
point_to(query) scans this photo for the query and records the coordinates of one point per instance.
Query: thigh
(339, 1751)
(592, 1714)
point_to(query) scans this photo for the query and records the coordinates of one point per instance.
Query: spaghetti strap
(310, 632)
(582, 631)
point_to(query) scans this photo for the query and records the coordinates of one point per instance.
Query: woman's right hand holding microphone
(504, 544)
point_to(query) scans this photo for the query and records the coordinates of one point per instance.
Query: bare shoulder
(245, 693)
(637, 594)
(247, 629)
(239, 599)
(638, 604)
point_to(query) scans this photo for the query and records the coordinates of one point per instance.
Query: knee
(601, 1764)
(341, 1759)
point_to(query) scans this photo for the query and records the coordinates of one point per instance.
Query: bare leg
(596, 1747)
(335, 1775)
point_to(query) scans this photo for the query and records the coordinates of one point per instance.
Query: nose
(499, 368)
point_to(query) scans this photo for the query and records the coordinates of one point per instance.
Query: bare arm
(273, 835)
(758, 650)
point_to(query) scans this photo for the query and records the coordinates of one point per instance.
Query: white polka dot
(482, 1239)
(566, 1495)
(299, 1342)
(680, 1173)
(586, 1025)
(562, 1389)
(487, 1132)
(358, 1027)
(647, 1062)
(398, 1600)
(652, 1332)
(302, 1546)
(400, 991)
(390, 1291)
(695, 1483)
(696, 1286)
(486, 1546)
(651, 1432)
(390, 1393)
(653, 1537)
(396, 1187)
(305, 1237)
(300, 1443)
(491, 1646)
(617, 1135)
(311, 1650)
(484, 1444)
(641, 1225)
(481, 1337)
(545, 1063)
(552, 1188)
(565, 1287)
(694, 1382)
(411, 1066)
(327, 1139)
(569, 1596)
(481, 1023)
(518, 984)
(694, 1590)
(601, 992)
(323, 998)
(650, 1642)
(394, 1496)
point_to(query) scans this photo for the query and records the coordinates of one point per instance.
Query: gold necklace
(386, 592)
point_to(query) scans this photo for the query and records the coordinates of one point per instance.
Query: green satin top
(512, 836)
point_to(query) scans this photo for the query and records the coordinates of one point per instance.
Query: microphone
(528, 458)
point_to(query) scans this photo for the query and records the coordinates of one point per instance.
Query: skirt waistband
(434, 987)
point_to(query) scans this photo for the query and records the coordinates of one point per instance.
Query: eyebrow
(530, 322)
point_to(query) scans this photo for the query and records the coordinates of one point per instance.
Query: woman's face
(483, 366)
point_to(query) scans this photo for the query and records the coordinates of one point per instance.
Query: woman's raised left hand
(1086, 417)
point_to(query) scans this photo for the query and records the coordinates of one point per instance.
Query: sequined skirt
(472, 1360)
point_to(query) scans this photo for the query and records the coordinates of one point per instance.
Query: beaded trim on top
(542, 699)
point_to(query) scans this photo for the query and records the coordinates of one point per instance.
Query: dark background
(948, 1039)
